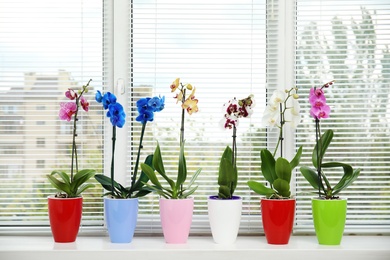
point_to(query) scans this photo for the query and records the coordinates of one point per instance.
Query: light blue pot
(121, 218)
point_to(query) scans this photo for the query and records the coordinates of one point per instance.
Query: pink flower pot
(176, 219)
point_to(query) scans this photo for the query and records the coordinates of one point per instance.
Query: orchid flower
(67, 110)
(189, 104)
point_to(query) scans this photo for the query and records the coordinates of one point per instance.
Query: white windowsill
(197, 248)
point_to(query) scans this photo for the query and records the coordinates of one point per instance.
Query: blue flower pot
(121, 218)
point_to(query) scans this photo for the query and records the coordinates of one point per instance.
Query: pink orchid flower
(71, 94)
(67, 110)
(84, 103)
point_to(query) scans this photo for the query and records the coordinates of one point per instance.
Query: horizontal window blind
(225, 49)
(219, 48)
(347, 41)
(46, 47)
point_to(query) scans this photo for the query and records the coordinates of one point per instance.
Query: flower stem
(234, 147)
(74, 147)
(74, 150)
(182, 116)
(280, 139)
(183, 90)
(112, 159)
(319, 159)
(134, 177)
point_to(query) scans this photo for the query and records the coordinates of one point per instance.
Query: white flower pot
(224, 217)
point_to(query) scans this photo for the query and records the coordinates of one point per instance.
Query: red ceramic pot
(65, 216)
(278, 219)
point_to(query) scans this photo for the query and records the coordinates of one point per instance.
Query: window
(225, 49)
(46, 47)
(348, 41)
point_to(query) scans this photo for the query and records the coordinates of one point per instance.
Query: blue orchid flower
(142, 105)
(145, 116)
(116, 114)
(108, 99)
(146, 108)
(98, 97)
(157, 103)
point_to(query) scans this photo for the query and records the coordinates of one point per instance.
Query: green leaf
(283, 169)
(282, 187)
(227, 174)
(105, 181)
(268, 166)
(142, 193)
(194, 177)
(349, 175)
(59, 185)
(310, 175)
(143, 178)
(188, 193)
(158, 164)
(297, 158)
(80, 178)
(83, 188)
(323, 144)
(158, 190)
(346, 181)
(260, 188)
(151, 174)
(224, 192)
(65, 177)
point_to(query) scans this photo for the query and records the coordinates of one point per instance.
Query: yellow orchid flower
(179, 97)
(191, 104)
(175, 84)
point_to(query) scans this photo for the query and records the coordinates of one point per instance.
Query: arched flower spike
(175, 190)
(233, 110)
(317, 178)
(282, 108)
(146, 108)
(72, 186)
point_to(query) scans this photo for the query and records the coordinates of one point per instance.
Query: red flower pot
(65, 216)
(278, 219)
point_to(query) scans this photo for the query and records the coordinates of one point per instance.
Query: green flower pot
(329, 220)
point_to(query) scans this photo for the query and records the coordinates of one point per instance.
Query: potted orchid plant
(70, 186)
(120, 199)
(176, 207)
(224, 209)
(278, 206)
(329, 211)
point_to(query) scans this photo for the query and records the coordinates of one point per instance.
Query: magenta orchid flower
(71, 94)
(319, 108)
(67, 110)
(84, 103)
